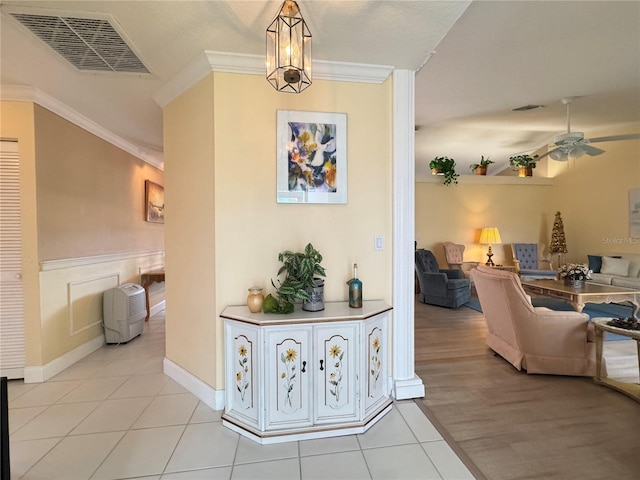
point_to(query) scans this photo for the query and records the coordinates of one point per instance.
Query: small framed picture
(311, 157)
(154, 202)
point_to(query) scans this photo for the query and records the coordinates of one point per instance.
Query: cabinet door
(376, 355)
(335, 367)
(243, 377)
(288, 380)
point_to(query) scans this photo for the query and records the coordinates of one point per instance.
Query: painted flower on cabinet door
(242, 376)
(288, 375)
(375, 364)
(335, 378)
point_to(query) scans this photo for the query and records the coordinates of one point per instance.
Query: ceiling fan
(575, 145)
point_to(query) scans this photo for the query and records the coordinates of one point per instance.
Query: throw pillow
(615, 266)
(595, 263)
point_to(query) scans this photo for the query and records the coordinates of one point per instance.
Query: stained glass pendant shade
(289, 50)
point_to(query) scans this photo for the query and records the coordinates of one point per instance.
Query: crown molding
(210, 61)
(24, 93)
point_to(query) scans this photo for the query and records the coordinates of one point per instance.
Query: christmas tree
(558, 240)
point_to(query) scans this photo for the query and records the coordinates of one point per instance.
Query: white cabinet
(306, 374)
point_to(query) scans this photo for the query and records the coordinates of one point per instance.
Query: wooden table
(630, 389)
(577, 297)
(146, 279)
(508, 268)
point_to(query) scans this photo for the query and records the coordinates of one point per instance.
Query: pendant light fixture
(289, 50)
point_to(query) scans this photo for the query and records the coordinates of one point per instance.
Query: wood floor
(511, 425)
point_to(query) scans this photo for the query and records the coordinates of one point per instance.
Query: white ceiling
(489, 58)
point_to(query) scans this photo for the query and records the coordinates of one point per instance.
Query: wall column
(405, 382)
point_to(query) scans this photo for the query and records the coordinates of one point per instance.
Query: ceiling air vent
(524, 108)
(86, 43)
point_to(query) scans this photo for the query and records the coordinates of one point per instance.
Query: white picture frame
(311, 157)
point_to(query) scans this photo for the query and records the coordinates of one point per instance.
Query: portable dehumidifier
(124, 309)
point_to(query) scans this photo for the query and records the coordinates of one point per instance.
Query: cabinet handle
(321, 367)
(304, 365)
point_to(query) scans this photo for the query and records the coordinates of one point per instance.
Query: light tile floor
(116, 415)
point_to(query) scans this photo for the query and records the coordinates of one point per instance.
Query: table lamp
(489, 236)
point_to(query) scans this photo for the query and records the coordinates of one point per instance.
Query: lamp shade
(490, 236)
(288, 62)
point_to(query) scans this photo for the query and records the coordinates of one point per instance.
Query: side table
(601, 325)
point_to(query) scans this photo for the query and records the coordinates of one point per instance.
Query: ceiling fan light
(559, 156)
(576, 152)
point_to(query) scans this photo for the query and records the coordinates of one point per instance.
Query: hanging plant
(444, 166)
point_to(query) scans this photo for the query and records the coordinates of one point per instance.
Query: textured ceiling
(489, 58)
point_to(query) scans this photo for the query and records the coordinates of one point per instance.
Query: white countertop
(333, 312)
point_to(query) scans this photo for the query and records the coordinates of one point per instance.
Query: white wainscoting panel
(85, 301)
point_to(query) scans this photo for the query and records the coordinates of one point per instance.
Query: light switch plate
(378, 243)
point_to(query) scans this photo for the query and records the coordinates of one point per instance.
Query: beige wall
(90, 193)
(80, 197)
(234, 118)
(190, 231)
(456, 213)
(592, 194)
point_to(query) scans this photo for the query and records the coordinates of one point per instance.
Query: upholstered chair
(530, 261)
(536, 339)
(443, 287)
(454, 253)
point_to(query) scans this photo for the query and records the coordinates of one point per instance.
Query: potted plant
(524, 164)
(444, 166)
(301, 282)
(575, 274)
(481, 168)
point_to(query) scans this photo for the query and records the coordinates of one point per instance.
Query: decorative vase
(437, 171)
(481, 170)
(315, 303)
(254, 299)
(570, 282)
(525, 171)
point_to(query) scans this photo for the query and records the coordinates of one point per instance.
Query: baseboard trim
(408, 389)
(158, 307)
(45, 372)
(207, 394)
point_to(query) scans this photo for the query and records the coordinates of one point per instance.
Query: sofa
(536, 339)
(622, 270)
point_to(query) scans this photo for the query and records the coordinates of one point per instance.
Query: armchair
(530, 262)
(454, 253)
(536, 339)
(446, 288)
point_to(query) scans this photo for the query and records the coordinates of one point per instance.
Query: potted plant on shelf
(444, 166)
(524, 164)
(575, 274)
(301, 282)
(481, 168)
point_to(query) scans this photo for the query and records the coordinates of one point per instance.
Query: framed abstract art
(311, 157)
